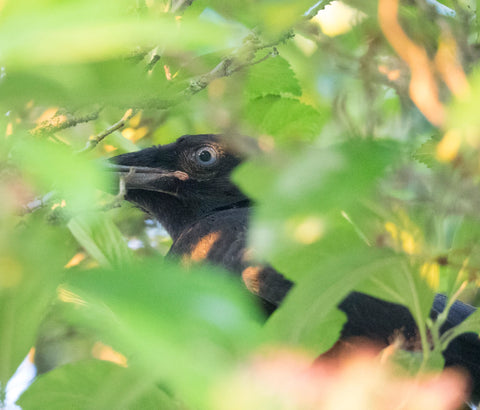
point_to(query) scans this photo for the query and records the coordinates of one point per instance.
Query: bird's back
(218, 238)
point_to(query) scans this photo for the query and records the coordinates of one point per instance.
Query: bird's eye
(206, 156)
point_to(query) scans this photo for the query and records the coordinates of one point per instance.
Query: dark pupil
(205, 156)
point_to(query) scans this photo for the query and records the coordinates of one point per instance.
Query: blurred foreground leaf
(88, 30)
(185, 327)
(470, 324)
(94, 384)
(403, 286)
(301, 197)
(31, 261)
(272, 17)
(50, 166)
(117, 81)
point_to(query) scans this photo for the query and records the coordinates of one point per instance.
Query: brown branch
(63, 121)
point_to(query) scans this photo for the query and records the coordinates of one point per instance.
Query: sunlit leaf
(462, 115)
(101, 239)
(284, 118)
(273, 76)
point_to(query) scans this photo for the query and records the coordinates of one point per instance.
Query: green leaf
(465, 247)
(101, 239)
(273, 76)
(403, 286)
(470, 324)
(309, 316)
(287, 119)
(186, 327)
(31, 261)
(426, 154)
(94, 384)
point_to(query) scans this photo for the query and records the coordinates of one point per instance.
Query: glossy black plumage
(207, 217)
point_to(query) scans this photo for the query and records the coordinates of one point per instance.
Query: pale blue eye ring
(206, 156)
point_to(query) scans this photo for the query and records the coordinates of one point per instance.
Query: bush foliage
(367, 113)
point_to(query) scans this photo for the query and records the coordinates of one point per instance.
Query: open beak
(145, 178)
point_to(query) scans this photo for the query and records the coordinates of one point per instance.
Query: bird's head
(184, 180)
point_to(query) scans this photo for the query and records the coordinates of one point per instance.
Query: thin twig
(38, 203)
(92, 143)
(274, 53)
(242, 58)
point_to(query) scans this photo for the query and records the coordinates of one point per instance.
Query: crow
(186, 186)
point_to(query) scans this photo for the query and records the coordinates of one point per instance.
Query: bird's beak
(145, 178)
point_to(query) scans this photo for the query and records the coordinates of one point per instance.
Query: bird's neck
(176, 215)
(244, 203)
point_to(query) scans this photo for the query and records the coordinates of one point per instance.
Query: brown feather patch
(250, 276)
(202, 248)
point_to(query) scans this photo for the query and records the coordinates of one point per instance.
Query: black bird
(186, 186)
